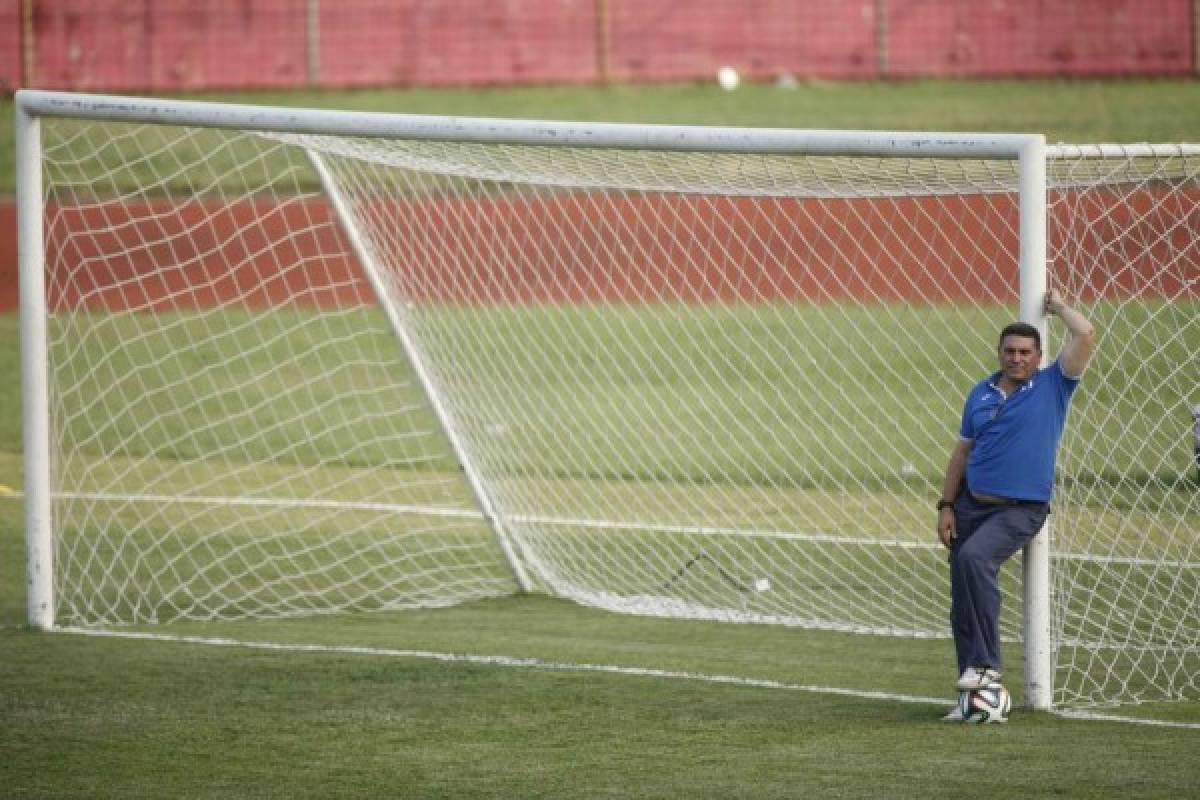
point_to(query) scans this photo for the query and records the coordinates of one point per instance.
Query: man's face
(1019, 358)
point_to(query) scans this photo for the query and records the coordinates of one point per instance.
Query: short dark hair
(1022, 329)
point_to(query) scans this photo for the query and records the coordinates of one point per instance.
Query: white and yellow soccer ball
(990, 704)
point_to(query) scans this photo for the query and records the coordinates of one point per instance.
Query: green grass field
(529, 696)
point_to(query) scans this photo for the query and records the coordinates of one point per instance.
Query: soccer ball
(728, 78)
(991, 704)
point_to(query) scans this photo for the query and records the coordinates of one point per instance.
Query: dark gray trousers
(988, 535)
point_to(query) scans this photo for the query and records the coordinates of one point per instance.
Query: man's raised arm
(1081, 339)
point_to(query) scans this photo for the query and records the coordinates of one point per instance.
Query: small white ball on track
(981, 706)
(728, 78)
(762, 585)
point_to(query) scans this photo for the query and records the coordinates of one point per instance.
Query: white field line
(585, 523)
(507, 661)
(271, 502)
(1095, 716)
(611, 669)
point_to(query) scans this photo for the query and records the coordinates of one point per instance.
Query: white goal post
(280, 362)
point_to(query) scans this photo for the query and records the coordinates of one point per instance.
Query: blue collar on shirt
(994, 382)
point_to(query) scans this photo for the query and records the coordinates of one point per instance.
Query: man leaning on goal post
(999, 480)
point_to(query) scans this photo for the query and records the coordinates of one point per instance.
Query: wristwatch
(945, 504)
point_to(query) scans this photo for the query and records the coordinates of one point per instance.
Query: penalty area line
(566, 666)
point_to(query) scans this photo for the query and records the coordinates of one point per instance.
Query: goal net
(1124, 225)
(297, 373)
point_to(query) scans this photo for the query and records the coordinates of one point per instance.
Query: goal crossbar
(524, 132)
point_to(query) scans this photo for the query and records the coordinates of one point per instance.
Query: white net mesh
(1124, 236)
(654, 381)
(235, 431)
(718, 386)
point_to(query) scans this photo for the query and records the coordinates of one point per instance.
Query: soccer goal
(287, 362)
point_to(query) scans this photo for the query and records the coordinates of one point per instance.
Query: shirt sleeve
(1066, 384)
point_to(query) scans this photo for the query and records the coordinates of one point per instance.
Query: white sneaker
(955, 715)
(978, 678)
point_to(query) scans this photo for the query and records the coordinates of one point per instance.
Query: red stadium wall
(1039, 37)
(411, 42)
(10, 46)
(168, 45)
(173, 45)
(762, 38)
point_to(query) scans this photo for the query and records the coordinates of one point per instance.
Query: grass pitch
(87, 717)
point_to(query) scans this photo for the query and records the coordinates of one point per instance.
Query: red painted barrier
(226, 43)
(10, 46)
(85, 45)
(172, 45)
(411, 42)
(168, 45)
(762, 38)
(1026, 38)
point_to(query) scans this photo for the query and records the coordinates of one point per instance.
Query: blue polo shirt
(1015, 438)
